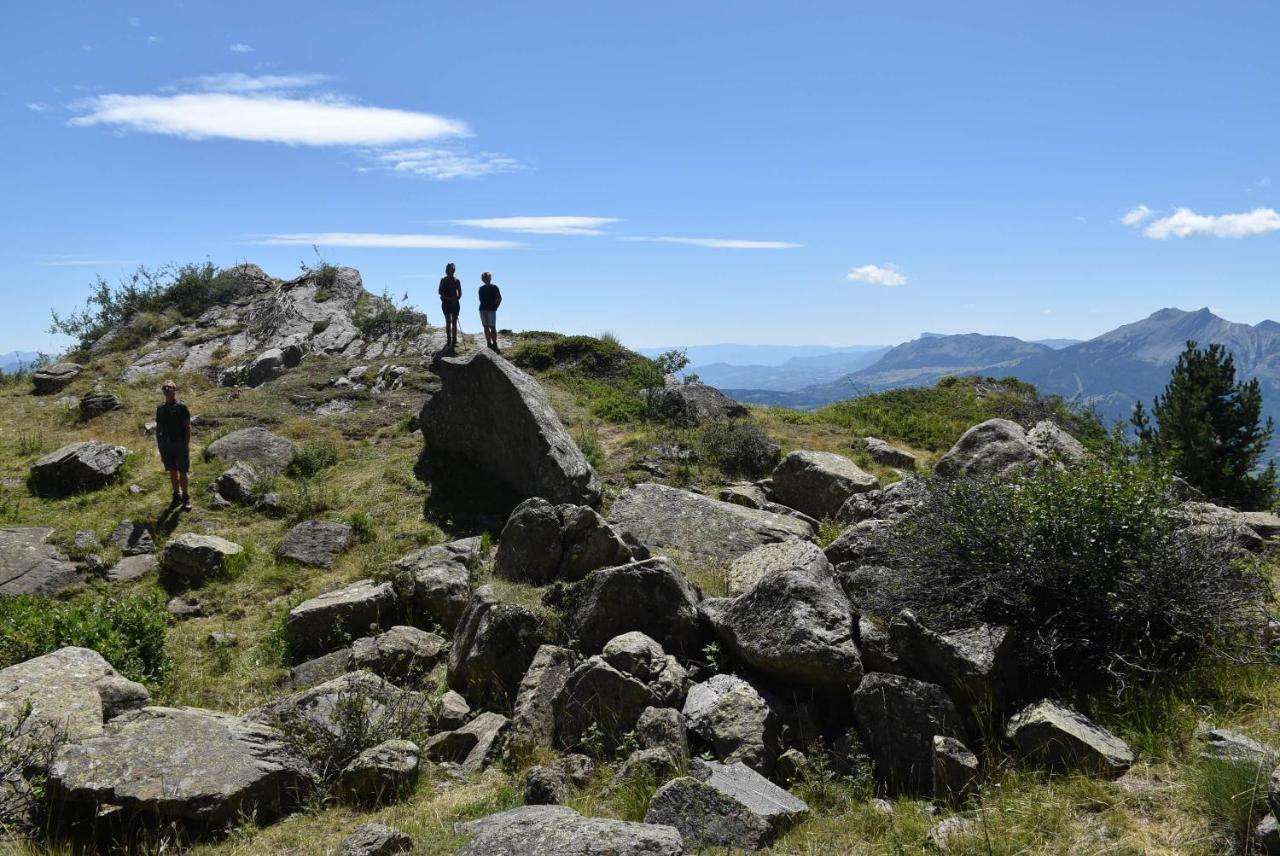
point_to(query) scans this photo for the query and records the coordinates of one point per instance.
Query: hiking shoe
(175, 500)
(186, 503)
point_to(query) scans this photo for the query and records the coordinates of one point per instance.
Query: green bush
(311, 458)
(1085, 565)
(304, 499)
(129, 631)
(379, 316)
(739, 447)
(586, 355)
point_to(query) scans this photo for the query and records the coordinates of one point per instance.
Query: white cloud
(37, 107)
(1137, 215)
(718, 243)
(155, 40)
(273, 118)
(240, 47)
(888, 276)
(236, 81)
(444, 163)
(1185, 223)
(383, 240)
(542, 225)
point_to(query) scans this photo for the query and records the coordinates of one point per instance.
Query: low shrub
(739, 447)
(379, 316)
(128, 631)
(304, 499)
(362, 526)
(311, 458)
(587, 355)
(1085, 565)
(589, 444)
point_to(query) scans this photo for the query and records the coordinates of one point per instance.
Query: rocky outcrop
(182, 764)
(267, 453)
(749, 568)
(493, 440)
(898, 719)
(695, 404)
(194, 558)
(52, 378)
(705, 529)
(597, 698)
(546, 829)
(819, 483)
(1059, 738)
(31, 565)
(68, 693)
(316, 543)
(728, 806)
(996, 447)
(323, 623)
(492, 649)
(85, 465)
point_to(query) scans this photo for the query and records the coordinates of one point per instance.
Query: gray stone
(131, 568)
(270, 504)
(1264, 523)
(320, 669)
(663, 728)
(52, 378)
(639, 656)
(29, 564)
(182, 607)
(195, 558)
(85, 465)
(1062, 739)
(950, 833)
(132, 539)
(494, 440)
(705, 529)
(887, 454)
(819, 483)
(794, 629)
(735, 721)
(1267, 834)
(599, 698)
(646, 768)
(492, 649)
(270, 455)
(440, 585)
(857, 545)
(401, 652)
(955, 769)
(791, 766)
(1056, 444)
(316, 543)
(996, 447)
(891, 503)
(266, 366)
(1219, 523)
(898, 719)
(544, 830)
(318, 707)
(319, 625)
(98, 403)
(749, 568)
(591, 543)
(474, 746)
(375, 839)
(236, 484)
(182, 763)
(545, 786)
(745, 494)
(533, 717)
(380, 773)
(68, 693)
(732, 807)
(454, 710)
(976, 666)
(530, 545)
(873, 644)
(1223, 744)
(652, 597)
(695, 404)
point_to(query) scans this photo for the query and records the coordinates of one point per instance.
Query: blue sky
(794, 173)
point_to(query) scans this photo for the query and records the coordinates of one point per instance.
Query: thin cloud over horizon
(381, 240)
(544, 225)
(716, 243)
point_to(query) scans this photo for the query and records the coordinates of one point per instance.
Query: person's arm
(498, 303)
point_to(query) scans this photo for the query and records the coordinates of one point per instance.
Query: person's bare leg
(186, 487)
(173, 479)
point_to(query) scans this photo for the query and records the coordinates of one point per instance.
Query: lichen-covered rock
(236, 484)
(68, 693)
(731, 717)
(749, 568)
(29, 564)
(375, 839)
(454, 710)
(1062, 739)
(731, 806)
(955, 769)
(597, 698)
(663, 728)
(591, 543)
(976, 665)
(195, 558)
(652, 597)
(380, 773)
(898, 719)
(819, 483)
(182, 763)
(544, 830)
(695, 404)
(474, 746)
(324, 623)
(440, 583)
(997, 447)
(492, 649)
(530, 545)
(883, 452)
(533, 716)
(401, 652)
(1056, 444)
(706, 529)
(316, 543)
(98, 403)
(52, 378)
(319, 707)
(269, 454)
(85, 465)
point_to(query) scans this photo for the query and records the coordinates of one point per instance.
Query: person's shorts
(450, 308)
(488, 317)
(175, 456)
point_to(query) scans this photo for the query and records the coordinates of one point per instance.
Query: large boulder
(533, 717)
(85, 465)
(400, 653)
(887, 454)
(269, 454)
(195, 558)
(977, 666)
(52, 378)
(695, 404)
(439, 582)
(997, 447)
(543, 830)
(730, 716)
(530, 545)
(725, 805)
(1062, 739)
(1056, 444)
(493, 440)
(898, 719)
(703, 528)
(492, 649)
(266, 366)
(68, 693)
(794, 629)
(380, 773)
(326, 622)
(599, 698)
(641, 657)
(474, 746)
(98, 403)
(321, 708)
(749, 568)
(181, 764)
(590, 543)
(650, 596)
(819, 483)
(29, 564)
(316, 543)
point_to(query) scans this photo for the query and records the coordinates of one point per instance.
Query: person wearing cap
(490, 300)
(173, 437)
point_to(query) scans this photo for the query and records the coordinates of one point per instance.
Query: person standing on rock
(490, 300)
(450, 303)
(173, 437)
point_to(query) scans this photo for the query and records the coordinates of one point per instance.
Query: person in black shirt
(490, 300)
(173, 437)
(450, 303)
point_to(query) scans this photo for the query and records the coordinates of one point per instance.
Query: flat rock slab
(29, 565)
(52, 378)
(725, 806)
(749, 568)
(182, 763)
(70, 692)
(321, 624)
(557, 830)
(1062, 739)
(267, 453)
(86, 465)
(703, 528)
(194, 558)
(317, 543)
(132, 568)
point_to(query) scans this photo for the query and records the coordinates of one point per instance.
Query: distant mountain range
(1109, 372)
(11, 360)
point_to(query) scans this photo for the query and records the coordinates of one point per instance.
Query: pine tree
(1209, 426)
